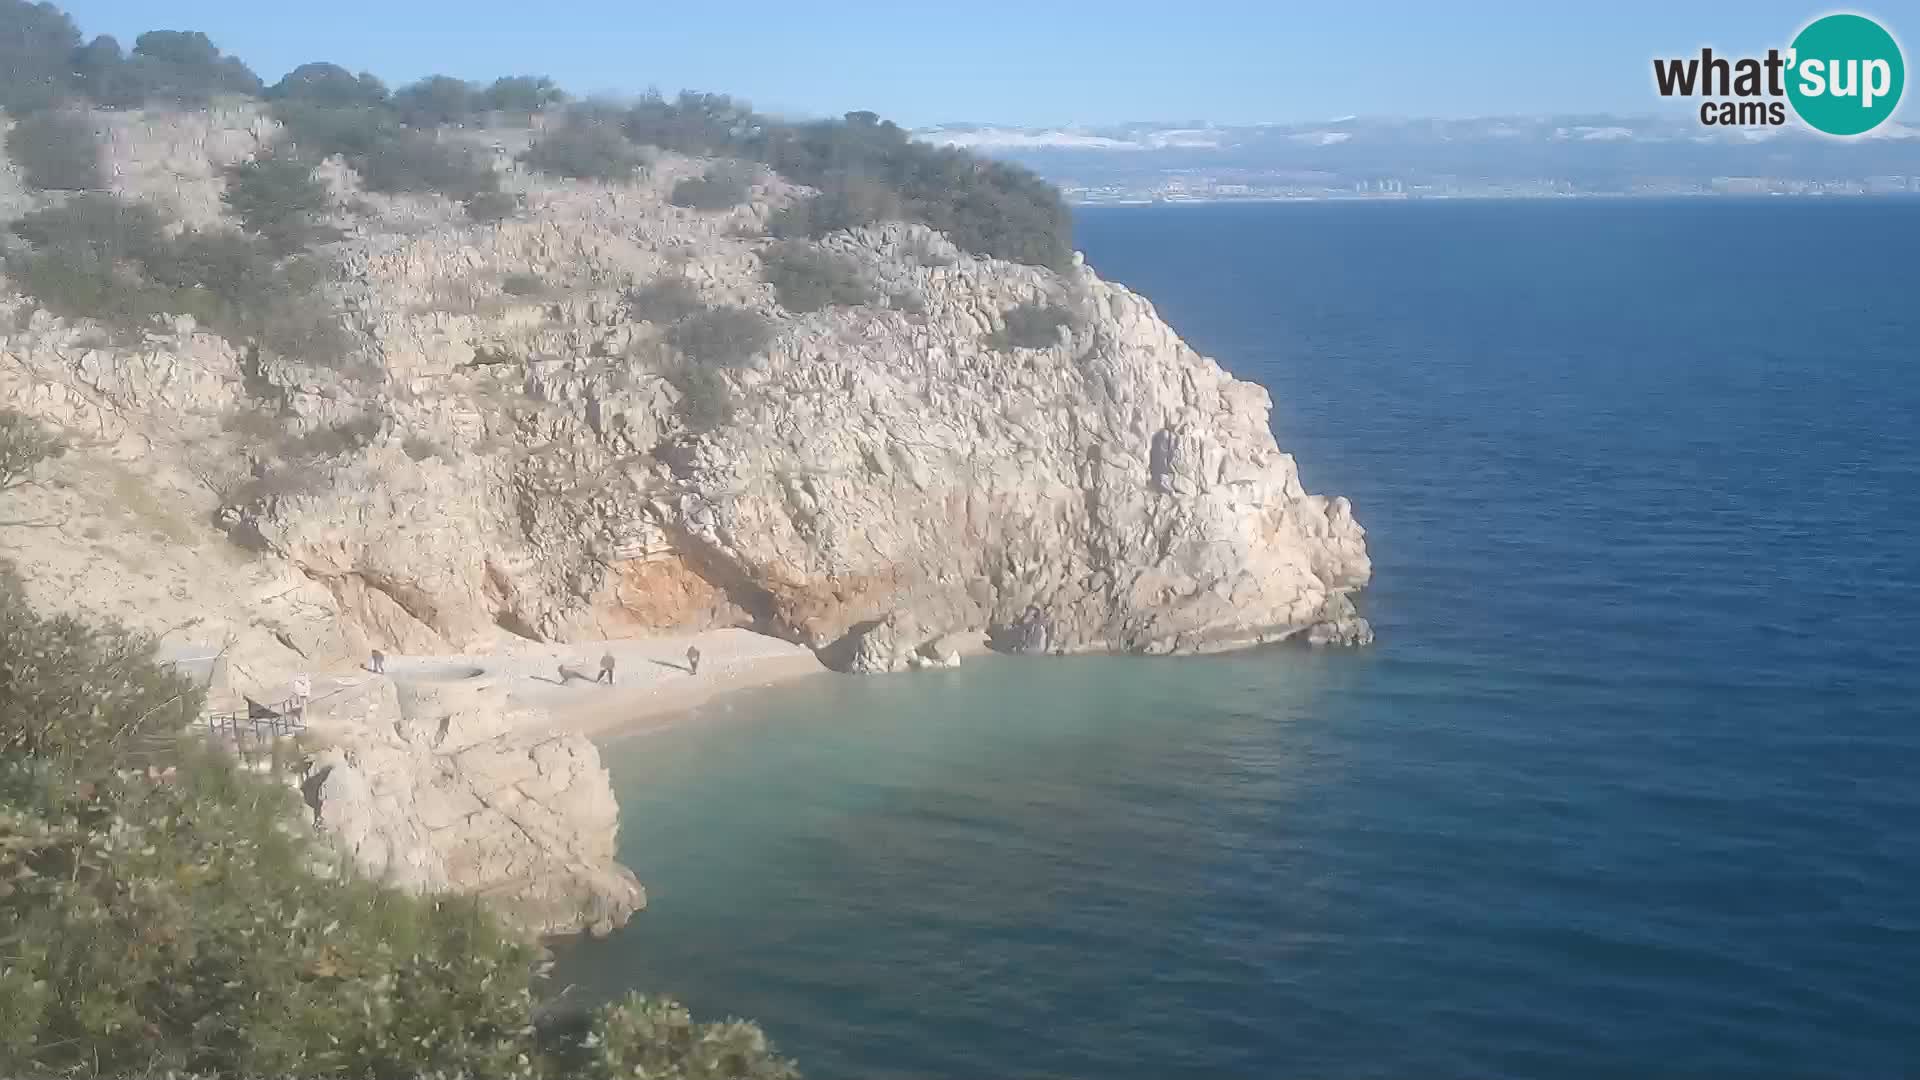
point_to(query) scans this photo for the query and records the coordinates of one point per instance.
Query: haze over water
(1626, 788)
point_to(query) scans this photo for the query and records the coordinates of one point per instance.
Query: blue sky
(1020, 63)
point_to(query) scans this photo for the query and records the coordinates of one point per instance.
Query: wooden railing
(269, 722)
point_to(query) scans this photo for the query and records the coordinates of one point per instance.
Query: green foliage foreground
(185, 919)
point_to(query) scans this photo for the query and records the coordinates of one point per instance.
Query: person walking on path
(606, 668)
(693, 659)
(379, 664)
(302, 692)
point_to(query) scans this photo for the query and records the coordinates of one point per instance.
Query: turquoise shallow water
(1627, 787)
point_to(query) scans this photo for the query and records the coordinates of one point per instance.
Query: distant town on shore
(1356, 158)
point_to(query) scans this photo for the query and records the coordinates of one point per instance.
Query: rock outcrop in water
(518, 444)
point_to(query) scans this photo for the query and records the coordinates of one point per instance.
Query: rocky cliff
(435, 783)
(517, 445)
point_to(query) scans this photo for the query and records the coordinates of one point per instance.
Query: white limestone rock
(444, 796)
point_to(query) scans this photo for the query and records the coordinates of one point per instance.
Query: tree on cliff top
(865, 168)
(330, 85)
(525, 94)
(276, 197)
(868, 169)
(436, 100)
(35, 42)
(183, 920)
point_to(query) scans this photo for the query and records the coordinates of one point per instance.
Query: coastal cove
(1623, 788)
(507, 579)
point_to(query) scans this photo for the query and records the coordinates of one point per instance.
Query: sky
(1032, 63)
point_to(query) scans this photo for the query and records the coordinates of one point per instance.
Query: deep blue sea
(1629, 787)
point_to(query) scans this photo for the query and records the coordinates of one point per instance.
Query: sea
(1628, 787)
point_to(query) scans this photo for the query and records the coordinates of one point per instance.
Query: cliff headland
(339, 373)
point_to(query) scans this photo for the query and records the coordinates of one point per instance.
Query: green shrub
(523, 285)
(865, 169)
(844, 202)
(490, 206)
(414, 161)
(276, 197)
(485, 356)
(723, 337)
(1031, 326)
(328, 85)
(721, 188)
(984, 206)
(435, 101)
(56, 150)
(808, 278)
(706, 396)
(321, 130)
(665, 299)
(184, 67)
(82, 700)
(521, 95)
(420, 449)
(185, 921)
(85, 258)
(389, 157)
(98, 257)
(100, 224)
(222, 276)
(24, 447)
(652, 1037)
(694, 123)
(102, 73)
(42, 63)
(299, 324)
(582, 149)
(870, 170)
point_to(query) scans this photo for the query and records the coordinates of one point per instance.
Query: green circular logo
(1845, 74)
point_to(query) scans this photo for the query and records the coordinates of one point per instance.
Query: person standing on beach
(693, 659)
(379, 663)
(606, 668)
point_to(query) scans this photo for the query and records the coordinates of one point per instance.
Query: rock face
(898, 480)
(883, 475)
(436, 785)
(534, 456)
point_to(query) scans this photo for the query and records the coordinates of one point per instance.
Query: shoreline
(652, 688)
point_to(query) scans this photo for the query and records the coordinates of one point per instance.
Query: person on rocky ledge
(606, 669)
